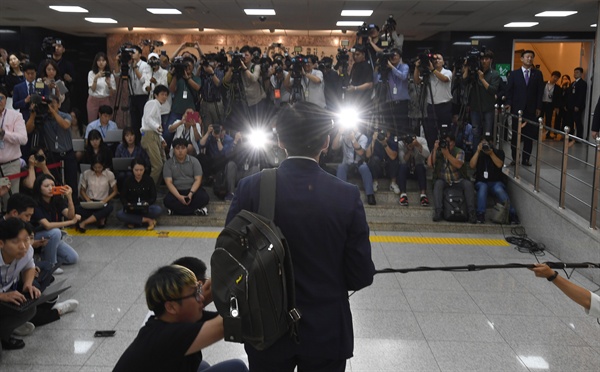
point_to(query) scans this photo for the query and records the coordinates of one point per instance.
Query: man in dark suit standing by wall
(524, 92)
(323, 220)
(576, 95)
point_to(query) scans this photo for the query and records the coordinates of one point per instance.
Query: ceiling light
(594, 25)
(3, 31)
(68, 9)
(521, 24)
(100, 20)
(462, 43)
(553, 13)
(265, 12)
(349, 23)
(356, 13)
(482, 37)
(163, 11)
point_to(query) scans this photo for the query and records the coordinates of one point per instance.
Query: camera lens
(40, 158)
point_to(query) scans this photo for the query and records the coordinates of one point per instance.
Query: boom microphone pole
(467, 268)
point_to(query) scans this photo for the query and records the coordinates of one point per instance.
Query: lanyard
(3, 117)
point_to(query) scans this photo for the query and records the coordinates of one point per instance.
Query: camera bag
(455, 205)
(500, 213)
(252, 275)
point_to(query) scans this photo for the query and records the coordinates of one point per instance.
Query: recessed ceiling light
(68, 9)
(462, 43)
(555, 13)
(163, 11)
(264, 12)
(349, 23)
(3, 31)
(482, 37)
(356, 13)
(100, 20)
(594, 25)
(521, 24)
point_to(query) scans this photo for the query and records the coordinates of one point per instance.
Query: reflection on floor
(494, 320)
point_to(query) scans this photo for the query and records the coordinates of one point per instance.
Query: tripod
(236, 96)
(297, 93)
(383, 103)
(123, 80)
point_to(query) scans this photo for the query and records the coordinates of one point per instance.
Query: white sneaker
(66, 306)
(58, 271)
(394, 187)
(375, 186)
(24, 330)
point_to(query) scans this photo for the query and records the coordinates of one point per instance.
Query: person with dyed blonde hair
(173, 338)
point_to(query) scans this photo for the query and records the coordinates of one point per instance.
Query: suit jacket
(20, 93)
(323, 220)
(576, 94)
(525, 97)
(557, 96)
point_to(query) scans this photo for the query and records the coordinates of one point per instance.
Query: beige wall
(556, 56)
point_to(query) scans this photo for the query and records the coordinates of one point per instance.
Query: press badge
(395, 90)
(306, 94)
(185, 94)
(1, 144)
(485, 175)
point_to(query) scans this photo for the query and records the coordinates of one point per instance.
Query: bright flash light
(258, 138)
(347, 118)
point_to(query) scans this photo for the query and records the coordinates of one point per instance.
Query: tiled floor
(493, 320)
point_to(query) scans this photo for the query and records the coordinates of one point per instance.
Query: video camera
(364, 29)
(40, 107)
(179, 66)
(153, 62)
(124, 57)
(388, 27)
(49, 45)
(408, 139)
(383, 58)
(342, 58)
(473, 59)
(152, 44)
(297, 63)
(424, 59)
(236, 60)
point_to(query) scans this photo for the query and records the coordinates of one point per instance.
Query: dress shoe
(527, 163)
(80, 229)
(473, 217)
(371, 199)
(437, 215)
(512, 163)
(13, 344)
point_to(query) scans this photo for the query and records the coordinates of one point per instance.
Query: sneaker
(481, 218)
(66, 307)
(375, 186)
(473, 217)
(24, 330)
(229, 197)
(513, 219)
(403, 200)
(58, 271)
(201, 212)
(424, 201)
(394, 187)
(13, 344)
(169, 212)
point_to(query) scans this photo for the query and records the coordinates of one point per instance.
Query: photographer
(488, 163)
(447, 162)
(358, 93)
(211, 77)
(140, 73)
(397, 97)
(382, 153)
(353, 145)
(66, 71)
(413, 153)
(244, 161)
(333, 84)
(217, 145)
(438, 89)
(482, 85)
(152, 130)
(54, 129)
(159, 76)
(279, 92)
(185, 88)
(311, 80)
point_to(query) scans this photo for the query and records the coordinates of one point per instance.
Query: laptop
(121, 164)
(78, 145)
(49, 294)
(115, 135)
(92, 205)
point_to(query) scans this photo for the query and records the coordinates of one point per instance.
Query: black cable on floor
(523, 243)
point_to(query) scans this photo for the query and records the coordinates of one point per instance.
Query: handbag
(500, 213)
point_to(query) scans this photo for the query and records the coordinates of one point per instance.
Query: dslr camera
(49, 45)
(40, 106)
(408, 139)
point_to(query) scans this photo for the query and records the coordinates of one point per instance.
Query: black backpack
(220, 185)
(455, 205)
(252, 275)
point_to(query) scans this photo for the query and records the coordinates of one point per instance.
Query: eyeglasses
(197, 295)
(2, 98)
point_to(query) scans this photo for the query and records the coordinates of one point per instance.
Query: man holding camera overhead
(140, 73)
(185, 87)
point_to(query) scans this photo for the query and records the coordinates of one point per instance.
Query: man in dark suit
(323, 220)
(576, 95)
(524, 92)
(23, 91)
(551, 103)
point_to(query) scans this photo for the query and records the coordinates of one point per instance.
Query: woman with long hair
(13, 77)
(97, 147)
(102, 85)
(138, 196)
(49, 71)
(98, 184)
(130, 148)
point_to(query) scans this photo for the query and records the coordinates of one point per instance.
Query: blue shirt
(398, 83)
(212, 149)
(96, 125)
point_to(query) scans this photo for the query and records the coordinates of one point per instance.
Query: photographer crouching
(53, 129)
(482, 84)
(382, 153)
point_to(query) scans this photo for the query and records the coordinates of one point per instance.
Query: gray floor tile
(134, 318)
(446, 301)
(116, 292)
(386, 299)
(92, 317)
(509, 303)
(398, 325)
(558, 357)
(111, 349)
(430, 280)
(391, 355)
(489, 280)
(475, 356)
(457, 327)
(586, 327)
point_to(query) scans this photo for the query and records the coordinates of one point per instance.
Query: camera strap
(3, 117)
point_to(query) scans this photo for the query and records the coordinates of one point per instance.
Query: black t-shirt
(161, 346)
(50, 211)
(485, 164)
(361, 73)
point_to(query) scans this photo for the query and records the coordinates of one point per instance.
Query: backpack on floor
(455, 205)
(252, 275)
(220, 185)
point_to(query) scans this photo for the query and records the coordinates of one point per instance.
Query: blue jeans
(233, 365)
(365, 174)
(420, 174)
(56, 250)
(482, 122)
(498, 190)
(136, 219)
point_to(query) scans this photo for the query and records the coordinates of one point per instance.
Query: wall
(551, 56)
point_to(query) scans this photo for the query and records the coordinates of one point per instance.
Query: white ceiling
(416, 19)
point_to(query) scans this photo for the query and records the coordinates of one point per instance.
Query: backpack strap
(266, 204)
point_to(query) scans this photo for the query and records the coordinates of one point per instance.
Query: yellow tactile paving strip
(165, 233)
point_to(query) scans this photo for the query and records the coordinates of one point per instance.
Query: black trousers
(433, 123)
(199, 200)
(574, 120)
(70, 169)
(528, 134)
(136, 110)
(548, 111)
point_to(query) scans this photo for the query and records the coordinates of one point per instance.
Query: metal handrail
(500, 117)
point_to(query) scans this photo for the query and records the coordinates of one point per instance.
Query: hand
(542, 270)
(153, 80)
(390, 65)
(67, 190)
(4, 189)
(576, 109)
(238, 137)
(480, 73)
(74, 220)
(67, 78)
(507, 108)
(436, 144)
(210, 129)
(148, 89)
(418, 63)
(186, 76)
(28, 99)
(99, 75)
(538, 113)
(431, 66)
(209, 70)
(594, 135)
(13, 297)
(33, 291)
(39, 243)
(243, 65)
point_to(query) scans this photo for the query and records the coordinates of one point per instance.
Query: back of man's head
(196, 265)
(303, 128)
(20, 203)
(166, 284)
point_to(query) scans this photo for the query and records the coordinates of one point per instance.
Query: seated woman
(139, 195)
(130, 148)
(97, 147)
(54, 203)
(97, 184)
(36, 163)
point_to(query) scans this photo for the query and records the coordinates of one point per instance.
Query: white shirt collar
(302, 157)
